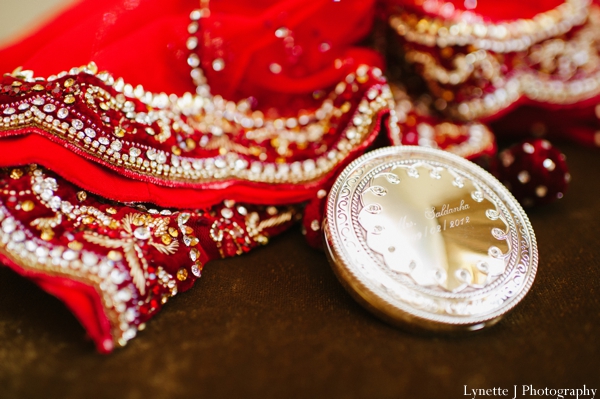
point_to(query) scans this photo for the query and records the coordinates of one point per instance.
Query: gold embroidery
(47, 223)
(129, 243)
(547, 72)
(200, 119)
(517, 35)
(130, 286)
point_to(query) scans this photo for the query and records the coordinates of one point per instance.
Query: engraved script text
(446, 210)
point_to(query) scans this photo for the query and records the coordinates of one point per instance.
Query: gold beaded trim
(517, 35)
(479, 136)
(31, 253)
(121, 274)
(551, 76)
(220, 123)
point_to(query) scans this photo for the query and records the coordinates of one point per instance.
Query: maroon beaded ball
(534, 171)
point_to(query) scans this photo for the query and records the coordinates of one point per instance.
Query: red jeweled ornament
(534, 171)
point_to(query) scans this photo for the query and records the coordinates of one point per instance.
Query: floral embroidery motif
(135, 257)
(488, 78)
(136, 231)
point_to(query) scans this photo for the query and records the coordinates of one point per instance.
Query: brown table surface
(276, 323)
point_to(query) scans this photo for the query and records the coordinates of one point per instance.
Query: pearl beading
(164, 114)
(517, 35)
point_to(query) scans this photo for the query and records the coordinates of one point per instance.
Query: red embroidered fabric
(144, 42)
(115, 265)
(217, 138)
(181, 146)
(507, 65)
(291, 100)
(230, 121)
(478, 10)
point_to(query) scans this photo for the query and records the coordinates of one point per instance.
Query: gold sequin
(447, 52)
(166, 239)
(75, 245)
(119, 132)
(362, 78)
(47, 235)
(16, 174)
(27, 206)
(138, 220)
(190, 144)
(448, 95)
(182, 274)
(115, 256)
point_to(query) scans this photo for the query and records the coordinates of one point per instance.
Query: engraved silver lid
(424, 238)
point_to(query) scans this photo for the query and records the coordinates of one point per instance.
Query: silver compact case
(426, 239)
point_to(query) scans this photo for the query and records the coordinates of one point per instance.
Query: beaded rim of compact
(428, 240)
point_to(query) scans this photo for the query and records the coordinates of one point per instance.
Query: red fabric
(143, 41)
(284, 56)
(484, 10)
(317, 50)
(128, 187)
(79, 160)
(115, 265)
(579, 125)
(538, 89)
(81, 299)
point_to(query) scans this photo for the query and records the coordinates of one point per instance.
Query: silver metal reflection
(427, 238)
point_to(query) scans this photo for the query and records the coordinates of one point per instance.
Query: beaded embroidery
(484, 79)
(193, 139)
(136, 258)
